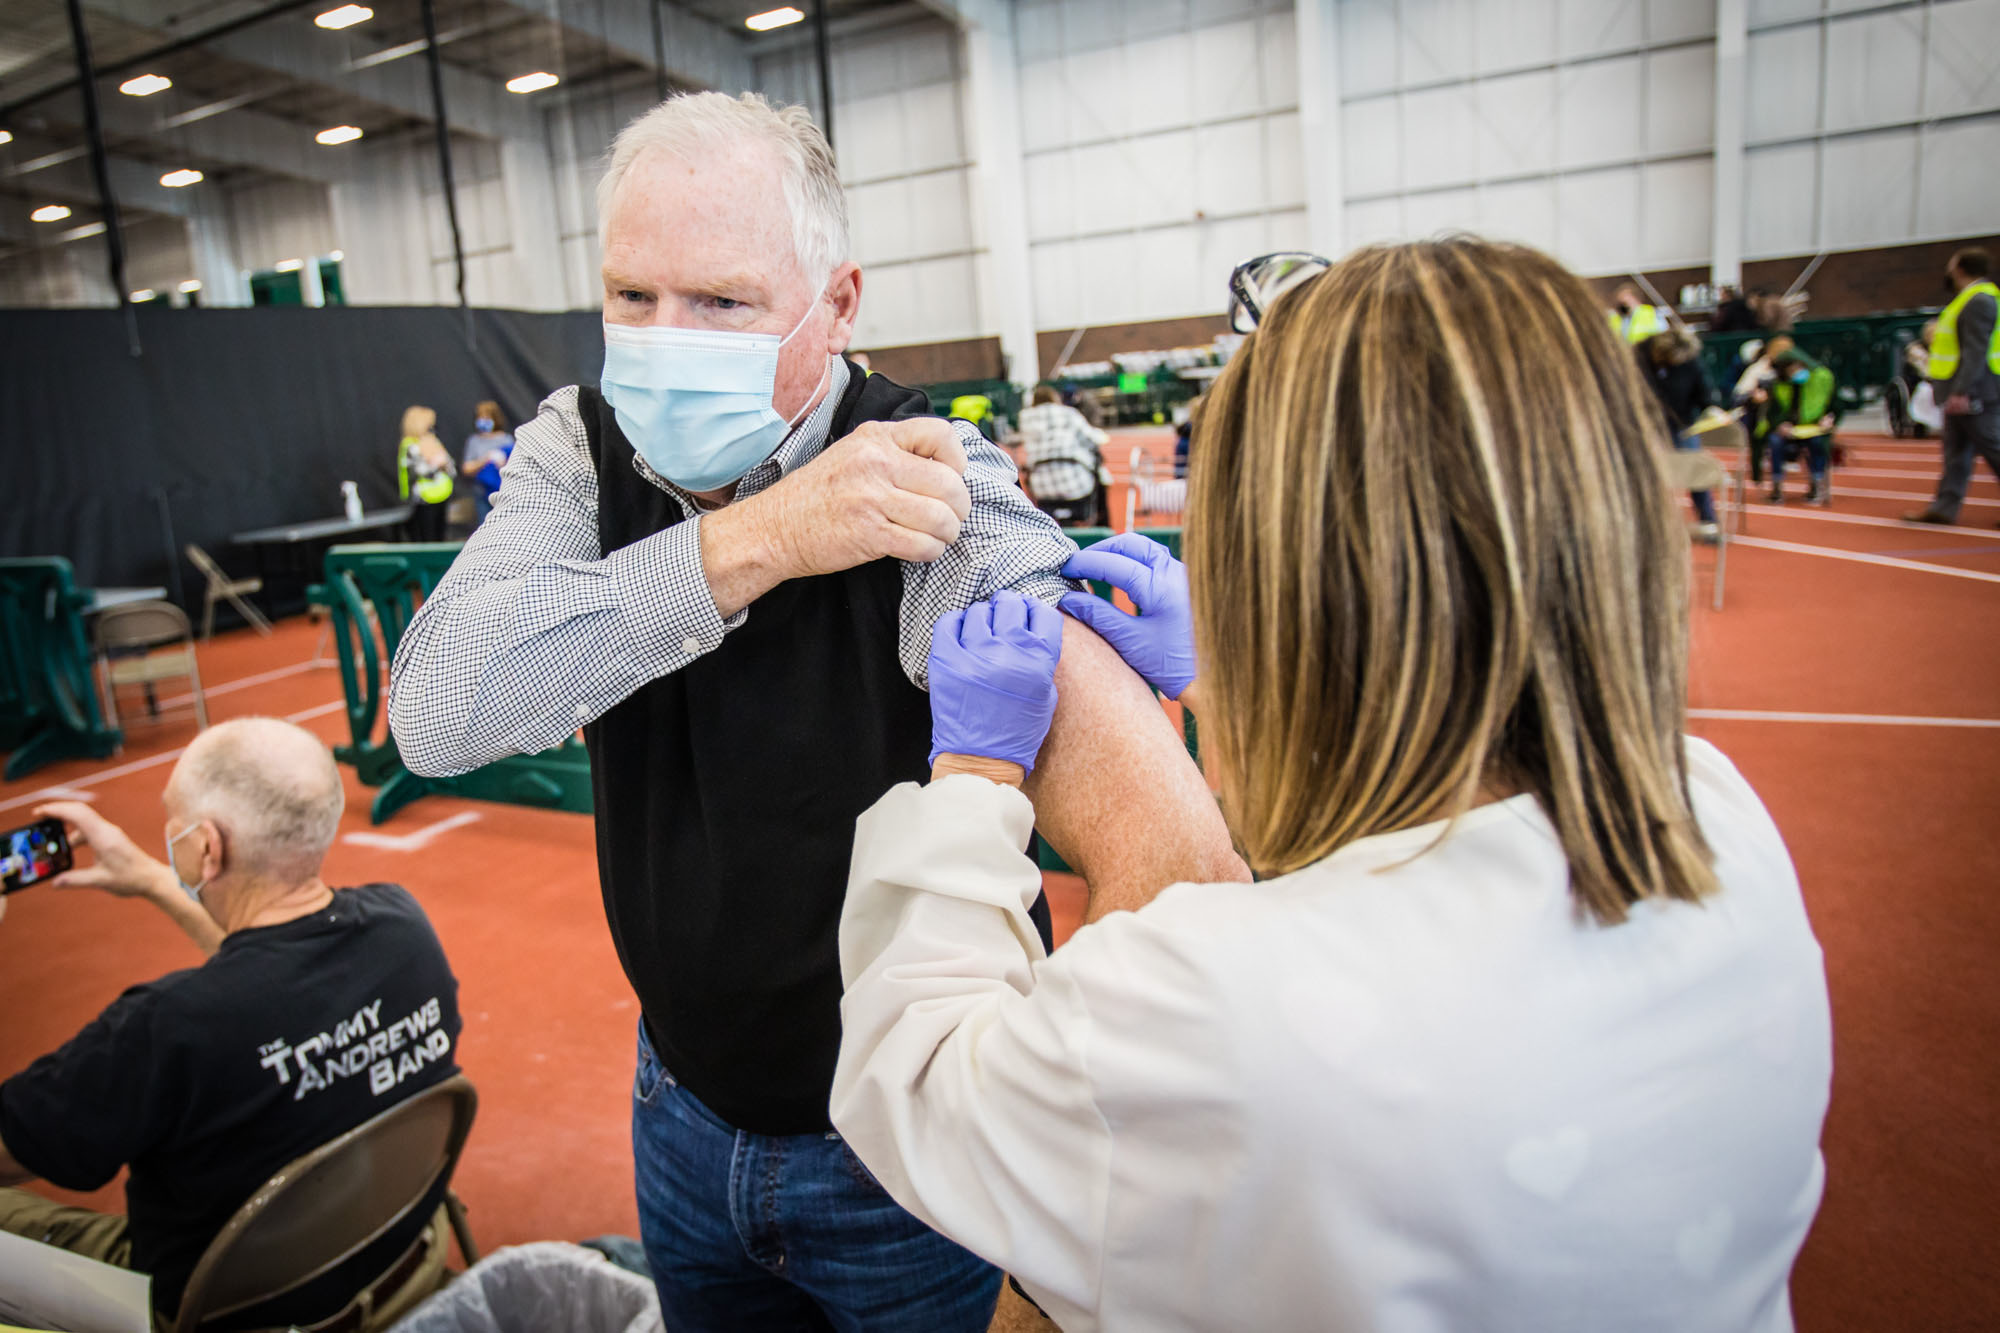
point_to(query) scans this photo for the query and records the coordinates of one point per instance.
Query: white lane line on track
(246, 682)
(1918, 497)
(1864, 558)
(411, 842)
(1869, 719)
(1871, 521)
(69, 791)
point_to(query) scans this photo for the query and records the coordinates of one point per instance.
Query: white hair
(271, 787)
(691, 123)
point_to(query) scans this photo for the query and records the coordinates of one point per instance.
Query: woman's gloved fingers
(1045, 624)
(1097, 613)
(1131, 576)
(1144, 549)
(1010, 615)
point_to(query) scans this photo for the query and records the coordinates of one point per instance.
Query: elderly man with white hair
(316, 1009)
(724, 562)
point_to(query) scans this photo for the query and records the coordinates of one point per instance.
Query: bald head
(273, 790)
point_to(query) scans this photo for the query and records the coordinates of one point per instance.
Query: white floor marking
(1870, 719)
(411, 842)
(1914, 497)
(1864, 558)
(69, 791)
(1870, 521)
(1930, 476)
(231, 686)
(68, 794)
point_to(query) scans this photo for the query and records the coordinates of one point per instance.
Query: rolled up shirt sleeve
(1005, 542)
(534, 631)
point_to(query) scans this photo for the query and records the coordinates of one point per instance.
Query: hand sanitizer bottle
(351, 495)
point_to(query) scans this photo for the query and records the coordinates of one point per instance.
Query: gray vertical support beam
(999, 203)
(442, 123)
(1732, 60)
(1317, 33)
(100, 168)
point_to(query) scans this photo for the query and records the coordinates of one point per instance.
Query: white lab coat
(1406, 1089)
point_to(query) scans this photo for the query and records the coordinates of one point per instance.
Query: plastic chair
(223, 588)
(128, 638)
(327, 1206)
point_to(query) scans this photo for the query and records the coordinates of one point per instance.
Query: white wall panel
(1523, 211)
(1044, 106)
(1515, 33)
(1874, 69)
(1600, 113)
(1284, 181)
(1517, 124)
(1781, 200)
(1229, 166)
(1441, 144)
(1783, 84)
(1781, 11)
(1964, 51)
(1677, 202)
(1680, 99)
(1231, 72)
(1593, 27)
(1960, 194)
(1869, 181)
(1597, 219)
(1679, 20)
(1157, 98)
(1438, 211)
(1372, 155)
(1374, 220)
(1367, 47)
(1437, 41)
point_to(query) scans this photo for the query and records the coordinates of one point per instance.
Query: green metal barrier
(372, 593)
(1045, 855)
(48, 699)
(1005, 397)
(1863, 354)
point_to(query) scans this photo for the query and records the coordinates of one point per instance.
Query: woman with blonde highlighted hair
(1524, 1026)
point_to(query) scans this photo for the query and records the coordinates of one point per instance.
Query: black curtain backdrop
(241, 419)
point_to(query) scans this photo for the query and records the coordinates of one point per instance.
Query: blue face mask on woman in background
(696, 403)
(484, 425)
(1801, 375)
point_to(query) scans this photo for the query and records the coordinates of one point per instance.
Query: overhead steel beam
(135, 184)
(236, 136)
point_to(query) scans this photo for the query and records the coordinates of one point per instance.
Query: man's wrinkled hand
(121, 869)
(891, 489)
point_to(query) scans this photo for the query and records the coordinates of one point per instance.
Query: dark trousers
(1818, 450)
(426, 522)
(1964, 436)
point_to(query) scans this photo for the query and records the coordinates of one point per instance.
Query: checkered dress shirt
(535, 631)
(1061, 451)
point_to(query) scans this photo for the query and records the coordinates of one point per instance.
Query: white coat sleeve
(962, 1082)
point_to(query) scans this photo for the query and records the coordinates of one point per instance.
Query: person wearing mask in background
(486, 452)
(725, 565)
(1732, 313)
(1634, 320)
(1964, 372)
(1804, 408)
(207, 1081)
(423, 475)
(1063, 455)
(1751, 396)
(1525, 1026)
(1671, 363)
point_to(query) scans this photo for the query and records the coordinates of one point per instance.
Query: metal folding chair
(223, 588)
(144, 643)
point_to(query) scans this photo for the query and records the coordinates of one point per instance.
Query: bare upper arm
(1115, 791)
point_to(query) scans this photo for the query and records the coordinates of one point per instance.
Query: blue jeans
(1818, 451)
(751, 1232)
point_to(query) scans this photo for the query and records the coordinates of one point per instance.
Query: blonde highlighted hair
(1434, 557)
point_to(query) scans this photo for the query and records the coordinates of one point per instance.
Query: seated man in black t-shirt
(316, 1010)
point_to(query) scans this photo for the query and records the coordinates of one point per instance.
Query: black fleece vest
(726, 798)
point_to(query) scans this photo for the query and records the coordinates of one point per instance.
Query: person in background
(862, 363)
(486, 452)
(1671, 363)
(1774, 311)
(423, 475)
(1964, 370)
(1189, 420)
(316, 1010)
(1751, 396)
(1732, 313)
(1634, 320)
(1803, 410)
(1524, 1028)
(1062, 454)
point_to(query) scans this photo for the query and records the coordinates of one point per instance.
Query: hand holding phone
(121, 869)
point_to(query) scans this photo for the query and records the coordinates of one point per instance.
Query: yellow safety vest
(973, 407)
(433, 489)
(1641, 324)
(1944, 343)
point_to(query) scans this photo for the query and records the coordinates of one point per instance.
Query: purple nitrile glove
(1158, 643)
(993, 679)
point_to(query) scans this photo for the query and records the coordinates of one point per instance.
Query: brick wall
(939, 363)
(1105, 340)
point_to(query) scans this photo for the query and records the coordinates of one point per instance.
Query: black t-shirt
(207, 1081)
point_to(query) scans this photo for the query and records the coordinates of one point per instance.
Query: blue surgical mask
(1801, 375)
(696, 403)
(483, 424)
(191, 890)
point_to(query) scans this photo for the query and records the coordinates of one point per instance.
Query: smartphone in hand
(32, 854)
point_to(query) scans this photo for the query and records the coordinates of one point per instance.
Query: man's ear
(214, 850)
(844, 291)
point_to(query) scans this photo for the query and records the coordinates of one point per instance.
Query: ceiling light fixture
(345, 17)
(174, 180)
(336, 255)
(338, 134)
(532, 83)
(143, 294)
(773, 18)
(191, 286)
(289, 265)
(6, 136)
(83, 233)
(145, 85)
(50, 213)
